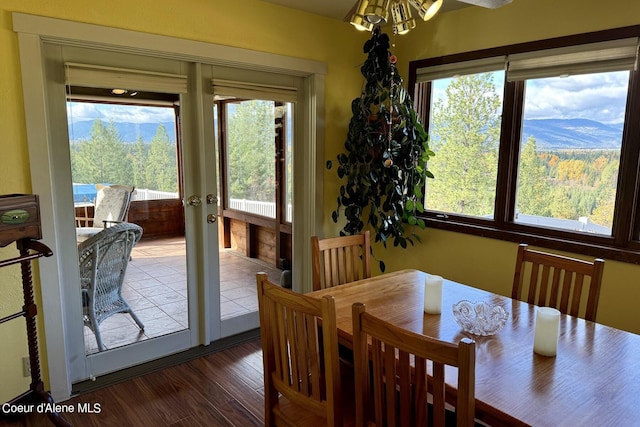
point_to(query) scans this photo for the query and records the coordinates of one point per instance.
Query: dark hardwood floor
(221, 389)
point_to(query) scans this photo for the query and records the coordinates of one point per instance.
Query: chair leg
(136, 319)
(96, 332)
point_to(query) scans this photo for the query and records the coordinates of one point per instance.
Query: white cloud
(600, 97)
(84, 111)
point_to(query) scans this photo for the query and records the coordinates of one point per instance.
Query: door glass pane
(131, 145)
(570, 151)
(257, 137)
(464, 133)
(251, 171)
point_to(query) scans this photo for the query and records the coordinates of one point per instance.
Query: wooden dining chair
(395, 391)
(551, 280)
(339, 260)
(302, 384)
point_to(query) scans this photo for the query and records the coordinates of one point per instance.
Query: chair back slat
(571, 285)
(576, 295)
(340, 260)
(555, 289)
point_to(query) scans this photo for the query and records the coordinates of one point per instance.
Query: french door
(254, 127)
(208, 208)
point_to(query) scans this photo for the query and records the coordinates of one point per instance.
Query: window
(123, 130)
(113, 142)
(255, 125)
(537, 142)
(464, 133)
(251, 172)
(570, 151)
(258, 156)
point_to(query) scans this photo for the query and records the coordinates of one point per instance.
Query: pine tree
(533, 189)
(386, 153)
(100, 160)
(251, 150)
(162, 169)
(465, 128)
(138, 157)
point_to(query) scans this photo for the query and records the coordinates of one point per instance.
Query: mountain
(81, 131)
(550, 134)
(566, 134)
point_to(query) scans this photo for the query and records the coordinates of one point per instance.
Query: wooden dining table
(594, 380)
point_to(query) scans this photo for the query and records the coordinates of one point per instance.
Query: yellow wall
(488, 263)
(255, 25)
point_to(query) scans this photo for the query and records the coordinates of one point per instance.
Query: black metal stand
(36, 392)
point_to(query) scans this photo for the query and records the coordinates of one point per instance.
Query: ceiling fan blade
(491, 4)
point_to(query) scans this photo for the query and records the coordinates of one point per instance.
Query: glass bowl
(480, 318)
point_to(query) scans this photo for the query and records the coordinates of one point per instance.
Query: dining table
(593, 380)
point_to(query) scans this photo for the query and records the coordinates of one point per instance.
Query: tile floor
(156, 288)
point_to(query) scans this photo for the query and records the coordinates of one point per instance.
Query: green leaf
(329, 164)
(382, 266)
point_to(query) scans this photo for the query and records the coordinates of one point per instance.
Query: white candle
(545, 340)
(433, 294)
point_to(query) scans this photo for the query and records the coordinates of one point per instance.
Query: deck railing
(266, 209)
(146, 194)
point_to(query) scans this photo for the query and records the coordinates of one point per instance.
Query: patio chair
(112, 206)
(103, 259)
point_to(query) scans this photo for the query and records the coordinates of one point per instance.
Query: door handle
(194, 201)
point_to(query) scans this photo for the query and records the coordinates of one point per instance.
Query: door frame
(41, 126)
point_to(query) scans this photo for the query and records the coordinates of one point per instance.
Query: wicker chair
(112, 207)
(103, 259)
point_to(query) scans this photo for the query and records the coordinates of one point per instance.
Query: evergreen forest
(104, 157)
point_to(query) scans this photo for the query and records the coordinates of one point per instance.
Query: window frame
(624, 242)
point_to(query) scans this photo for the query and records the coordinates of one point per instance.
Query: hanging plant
(385, 164)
